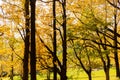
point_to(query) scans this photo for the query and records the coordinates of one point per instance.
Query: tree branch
(112, 4)
(15, 52)
(51, 52)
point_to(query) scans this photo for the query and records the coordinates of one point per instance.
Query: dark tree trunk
(106, 63)
(87, 71)
(115, 44)
(12, 73)
(26, 42)
(117, 64)
(54, 41)
(12, 70)
(64, 65)
(33, 42)
(107, 68)
(89, 75)
(107, 74)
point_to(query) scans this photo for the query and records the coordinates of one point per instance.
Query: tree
(115, 42)
(61, 65)
(64, 43)
(13, 22)
(91, 26)
(104, 55)
(114, 3)
(33, 41)
(116, 8)
(83, 52)
(26, 41)
(54, 41)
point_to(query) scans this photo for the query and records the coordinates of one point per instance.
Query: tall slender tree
(33, 41)
(54, 41)
(115, 4)
(26, 41)
(64, 44)
(12, 69)
(116, 45)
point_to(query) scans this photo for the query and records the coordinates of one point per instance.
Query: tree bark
(26, 42)
(107, 68)
(106, 63)
(89, 75)
(64, 66)
(107, 74)
(115, 44)
(54, 41)
(12, 70)
(33, 41)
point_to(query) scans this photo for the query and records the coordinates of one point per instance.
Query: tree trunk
(115, 44)
(107, 67)
(48, 75)
(33, 42)
(12, 70)
(11, 75)
(107, 74)
(64, 66)
(63, 77)
(117, 64)
(89, 75)
(54, 41)
(107, 70)
(106, 62)
(26, 42)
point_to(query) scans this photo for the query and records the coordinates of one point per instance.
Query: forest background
(57, 37)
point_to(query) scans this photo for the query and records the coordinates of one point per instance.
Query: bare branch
(51, 52)
(60, 33)
(94, 41)
(15, 52)
(21, 34)
(112, 4)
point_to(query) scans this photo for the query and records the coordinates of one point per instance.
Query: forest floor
(97, 74)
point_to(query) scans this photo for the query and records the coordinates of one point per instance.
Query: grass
(75, 74)
(96, 75)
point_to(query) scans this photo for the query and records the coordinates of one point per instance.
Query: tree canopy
(51, 37)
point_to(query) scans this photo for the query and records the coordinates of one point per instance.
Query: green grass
(96, 75)
(78, 74)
